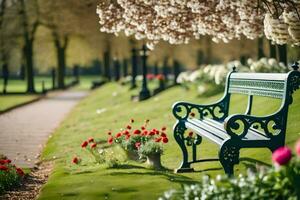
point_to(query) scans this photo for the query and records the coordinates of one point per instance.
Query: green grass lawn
(13, 100)
(20, 86)
(133, 180)
(17, 85)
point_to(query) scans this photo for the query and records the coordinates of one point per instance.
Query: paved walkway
(24, 131)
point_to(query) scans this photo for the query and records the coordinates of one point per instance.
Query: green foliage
(10, 177)
(150, 147)
(273, 183)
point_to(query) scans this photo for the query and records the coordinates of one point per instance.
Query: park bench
(233, 132)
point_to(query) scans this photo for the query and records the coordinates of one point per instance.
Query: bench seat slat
(216, 129)
(204, 132)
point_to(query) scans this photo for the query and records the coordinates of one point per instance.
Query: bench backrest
(258, 84)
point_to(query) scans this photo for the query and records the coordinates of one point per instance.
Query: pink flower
(150, 76)
(138, 145)
(282, 155)
(298, 147)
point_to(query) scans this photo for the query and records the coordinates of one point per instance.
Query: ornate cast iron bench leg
(179, 130)
(229, 156)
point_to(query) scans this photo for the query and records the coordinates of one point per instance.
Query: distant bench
(233, 132)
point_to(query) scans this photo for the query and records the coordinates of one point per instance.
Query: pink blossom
(282, 155)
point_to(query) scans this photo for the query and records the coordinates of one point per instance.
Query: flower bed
(282, 181)
(140, 144)
(10, 175)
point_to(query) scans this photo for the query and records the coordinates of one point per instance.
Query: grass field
(8, 101)
(13, 100)
(134, 180)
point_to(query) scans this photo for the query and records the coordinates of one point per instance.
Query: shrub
(10, 175)
(279, 182)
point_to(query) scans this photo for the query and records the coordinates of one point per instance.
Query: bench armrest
(238, 125)
(216, 111)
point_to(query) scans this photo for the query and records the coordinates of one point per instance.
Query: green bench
(233, 132)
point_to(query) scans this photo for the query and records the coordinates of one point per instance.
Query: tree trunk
(61, 59)
(28, 47)
(176, 69)
(272, 49)
(165, 69)
(107, 64)
(117, 70)
(134, 63)
(208, 51)
(125, 67)
(282, 50)
(29, 65)
(260, 48)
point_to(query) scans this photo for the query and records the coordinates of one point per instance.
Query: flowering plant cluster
(10, 175)
(217, 74)
(142, 140)
(159, 77)
(94, 148)
(178, 21)
(279, 182)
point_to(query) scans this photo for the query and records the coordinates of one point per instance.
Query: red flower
(3, 162)
(192, 114)
(118, 135)
(128, 127)
(298, 147)
(127, 137)
(143, 128)
(91, 140)
(20, 172)
(145, 132)
(75, 160)
(110, 140)
(282, 155)
(163, 128)
(160, 77)
(132, 120)
(3, 168)
(152, 132)
(93, 145)
(137, 131)
(163, 135)
(191, 134)
(158, 139)
(84, 144)
(137, 145)
(165, 140)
